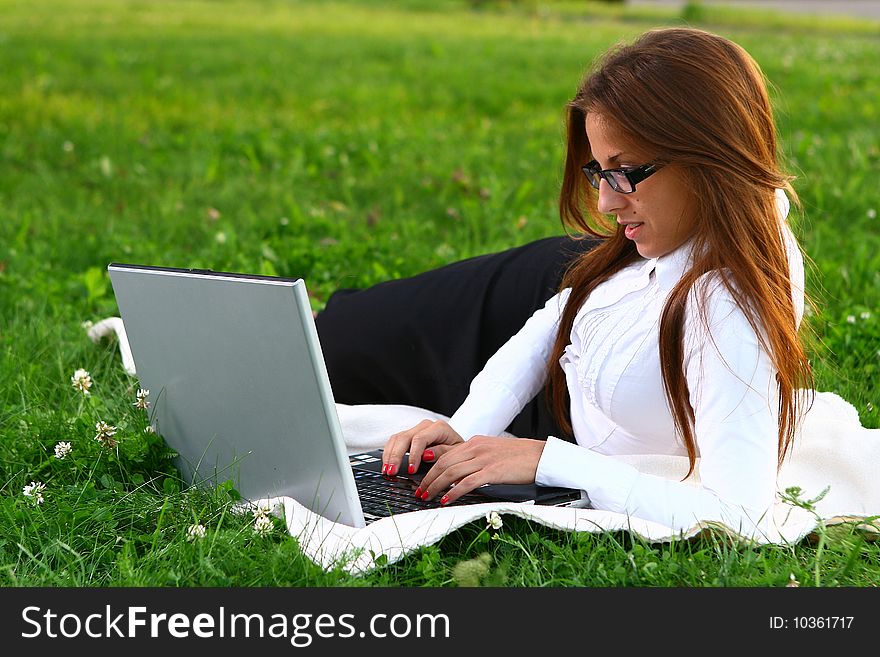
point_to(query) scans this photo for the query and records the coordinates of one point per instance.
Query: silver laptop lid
(238, 383)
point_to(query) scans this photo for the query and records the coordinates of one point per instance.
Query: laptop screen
(240, 389)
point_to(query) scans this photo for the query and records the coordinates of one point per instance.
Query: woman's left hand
(481, 460)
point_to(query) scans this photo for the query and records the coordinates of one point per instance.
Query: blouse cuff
(607, 482)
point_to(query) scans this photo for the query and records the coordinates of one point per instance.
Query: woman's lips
(632, 230)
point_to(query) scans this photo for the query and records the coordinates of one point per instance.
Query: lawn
(348, 143)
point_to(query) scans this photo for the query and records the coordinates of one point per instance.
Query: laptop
(239, 389)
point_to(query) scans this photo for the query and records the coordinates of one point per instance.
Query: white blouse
(618, 403)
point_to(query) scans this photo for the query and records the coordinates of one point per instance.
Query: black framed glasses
(622, 180)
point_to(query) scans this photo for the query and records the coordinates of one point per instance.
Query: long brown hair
(700, 103)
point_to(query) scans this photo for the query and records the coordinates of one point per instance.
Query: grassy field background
(348, 143)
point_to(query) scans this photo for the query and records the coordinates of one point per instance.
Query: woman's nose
(609, 200)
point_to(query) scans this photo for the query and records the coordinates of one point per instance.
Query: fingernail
(411, 468)
(444, 499)
(428, 455)
(391, 469)
(419, 491)
(384, 468)
(425, 495)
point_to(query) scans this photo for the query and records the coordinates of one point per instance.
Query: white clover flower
(260, 511)
(142, 399)
(792, 581)
(851, 319)
(865, 315)
(494, 520)
(105, 434)
(62, 450)
(82, 381)
(195, 532)
(220, 237)
(872, 213)
(263, 526)
(106, 166)
(149, 429)
(35, 490)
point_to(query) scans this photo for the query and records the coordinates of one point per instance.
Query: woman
(678, 333)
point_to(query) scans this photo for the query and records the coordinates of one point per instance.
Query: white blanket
(832, 454)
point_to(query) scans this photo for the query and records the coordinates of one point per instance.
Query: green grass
(349, 143)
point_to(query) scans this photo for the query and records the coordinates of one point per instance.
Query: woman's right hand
(434, 434)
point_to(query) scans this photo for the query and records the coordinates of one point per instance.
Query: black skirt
(421, 340)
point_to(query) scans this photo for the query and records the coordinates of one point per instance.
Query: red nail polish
(444, 499)
(428, 455)
(411, 468)
(425, 495)
(419, 491)
(384, 468)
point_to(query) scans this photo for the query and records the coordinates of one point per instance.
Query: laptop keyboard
(383, 496)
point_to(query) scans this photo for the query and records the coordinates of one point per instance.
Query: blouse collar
(671, 267)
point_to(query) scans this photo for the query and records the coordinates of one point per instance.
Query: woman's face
(658, 216)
